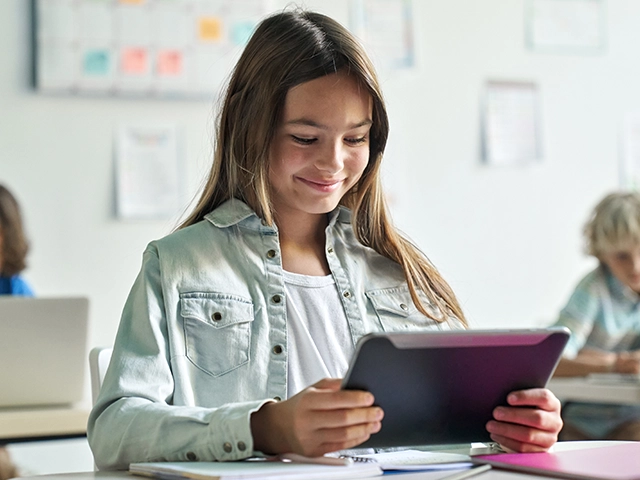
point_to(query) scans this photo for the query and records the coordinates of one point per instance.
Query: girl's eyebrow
(311, 123)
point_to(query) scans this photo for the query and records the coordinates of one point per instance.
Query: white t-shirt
(318, 337)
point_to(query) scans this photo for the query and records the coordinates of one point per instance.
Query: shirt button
(227, 447)
(404, 307)
(277, 398)
(271, 253)
(330, 250)
(241, 446)
(191, 456)
(216, 317)
(346, 294)
(277, 349)
(276, 299)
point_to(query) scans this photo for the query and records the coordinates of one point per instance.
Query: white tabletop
(492, 474)
(21, 424)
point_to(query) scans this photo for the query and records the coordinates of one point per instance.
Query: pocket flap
(395, 300)
(216, 309)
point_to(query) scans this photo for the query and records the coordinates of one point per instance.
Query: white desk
(29, 424)
(490, 475)
(493, 474)
(599, 391)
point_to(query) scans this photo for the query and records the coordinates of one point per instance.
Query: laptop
(441, 387)
(43, 350)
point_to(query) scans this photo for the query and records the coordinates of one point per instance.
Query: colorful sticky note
(241, 32)
(132, 2)
(169, 62)
(209, 28)
(96, 62)
(134, 61)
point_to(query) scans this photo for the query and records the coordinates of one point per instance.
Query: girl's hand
(320, 419)
(530, 423)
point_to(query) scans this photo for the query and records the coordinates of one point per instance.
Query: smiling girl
(242, 322)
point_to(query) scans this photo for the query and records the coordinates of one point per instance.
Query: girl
(287, 260)
(13, 247)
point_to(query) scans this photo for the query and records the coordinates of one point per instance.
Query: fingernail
(379, 414)
(499, 413)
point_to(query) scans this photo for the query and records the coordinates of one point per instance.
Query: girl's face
(625, 266)
(321, 145)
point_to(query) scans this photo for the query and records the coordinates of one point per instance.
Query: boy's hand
(320, 419)
(530, 423)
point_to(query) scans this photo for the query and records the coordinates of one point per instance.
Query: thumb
(328, 384)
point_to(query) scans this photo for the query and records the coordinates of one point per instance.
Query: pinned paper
(170, 63)
(96, 62)
(210, 29)
(134, 61)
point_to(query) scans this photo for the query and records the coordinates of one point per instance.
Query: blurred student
(603, 314)
(13, 252)
(13, 247)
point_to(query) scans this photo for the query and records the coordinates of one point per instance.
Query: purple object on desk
(615, 462)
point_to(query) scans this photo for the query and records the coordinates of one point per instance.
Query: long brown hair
(288, 49)
(14, 242)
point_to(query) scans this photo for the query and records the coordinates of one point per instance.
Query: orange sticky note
(169, 62)
(209, 28)
(134, 61)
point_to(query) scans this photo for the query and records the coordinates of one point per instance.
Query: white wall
(507, 239)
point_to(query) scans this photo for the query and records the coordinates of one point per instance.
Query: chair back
(99, 358)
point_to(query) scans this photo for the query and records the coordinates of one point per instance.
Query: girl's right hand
(320, 419)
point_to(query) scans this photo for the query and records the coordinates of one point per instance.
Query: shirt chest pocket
(217, 329)
(396, 311)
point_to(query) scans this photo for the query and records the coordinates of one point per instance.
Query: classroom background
(506, 236)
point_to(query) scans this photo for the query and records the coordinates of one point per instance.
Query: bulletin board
(148, 48)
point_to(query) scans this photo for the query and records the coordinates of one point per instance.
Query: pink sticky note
(134, 61)
(169, 62)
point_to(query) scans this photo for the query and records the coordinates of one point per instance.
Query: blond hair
(614, 224)
(288, 49)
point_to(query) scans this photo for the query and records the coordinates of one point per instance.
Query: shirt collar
(234, 211)
(619, 289)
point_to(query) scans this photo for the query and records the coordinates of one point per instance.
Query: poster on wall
(148, 172)
(571, 26)
(510, 123)
(385, 27)
(148, 48)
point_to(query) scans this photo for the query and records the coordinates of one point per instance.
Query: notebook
(615, 462)
(43, 350)
(259, 469)
(441, 387)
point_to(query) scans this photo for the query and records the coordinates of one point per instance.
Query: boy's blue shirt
(202, 339)
(15, 285)
(602, 314)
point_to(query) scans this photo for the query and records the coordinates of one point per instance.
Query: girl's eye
(303, 140)
(356, 141)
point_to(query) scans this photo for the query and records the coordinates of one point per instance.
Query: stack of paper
(247, 470)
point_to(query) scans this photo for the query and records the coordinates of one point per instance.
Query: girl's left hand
(530, 423)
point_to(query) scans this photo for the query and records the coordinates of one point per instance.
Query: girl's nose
(331, 158)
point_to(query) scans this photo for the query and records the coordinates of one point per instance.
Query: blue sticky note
(96, 62)
(241, 32)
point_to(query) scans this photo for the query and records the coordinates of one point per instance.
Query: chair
(99, 358)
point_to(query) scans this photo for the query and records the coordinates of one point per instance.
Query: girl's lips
(320, 185)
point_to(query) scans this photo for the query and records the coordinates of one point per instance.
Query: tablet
(441, 387)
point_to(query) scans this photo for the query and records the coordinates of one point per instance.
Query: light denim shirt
(202, 339)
